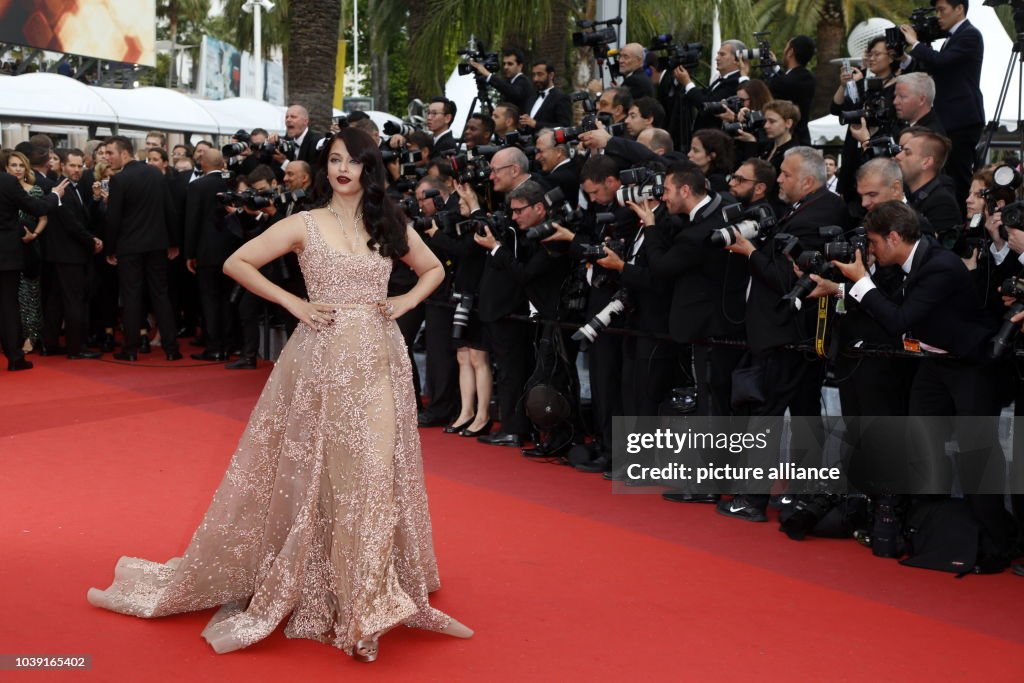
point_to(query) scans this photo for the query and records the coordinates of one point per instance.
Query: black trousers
(10, 315)
(960, 164)
(648, 374)
(251, 309)
(104, 294)
(66, 298)
(511, 343)
(960, 388)
(789, 380)
(723, 360)
(409, 325)
(215, 297)
(442, 363)
(135, 271)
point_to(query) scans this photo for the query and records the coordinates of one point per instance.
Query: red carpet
(561, 579)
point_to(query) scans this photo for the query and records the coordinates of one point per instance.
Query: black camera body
(813, 262)
(924, 22)
(882, 146)
(558, 211)
(1014, 287)
(876, 111)
(686, 55)
(249, 199)
(475, 52)
(762, 53)
(755, 222)
(734, 104)
(640, 184)
(753, 122)
(597, 38)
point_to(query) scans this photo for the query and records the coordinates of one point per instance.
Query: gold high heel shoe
(369, 649)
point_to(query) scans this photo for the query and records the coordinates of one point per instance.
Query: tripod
(1016, 56)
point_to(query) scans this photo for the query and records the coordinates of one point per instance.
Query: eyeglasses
(518, 209)
(435, 113)
(738, 178)
(495, 169)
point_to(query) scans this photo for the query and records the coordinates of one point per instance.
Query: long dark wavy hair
(384, 220)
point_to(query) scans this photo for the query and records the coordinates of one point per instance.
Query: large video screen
(116, 30)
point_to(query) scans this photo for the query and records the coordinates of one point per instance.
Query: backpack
(944, 535)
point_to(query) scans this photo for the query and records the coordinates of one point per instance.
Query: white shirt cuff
(999, 255)
(860, 288)
(495, 250)
(690, 86)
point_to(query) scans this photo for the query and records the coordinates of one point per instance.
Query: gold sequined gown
(322, 515)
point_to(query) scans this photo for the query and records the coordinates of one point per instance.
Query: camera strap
(821, 327)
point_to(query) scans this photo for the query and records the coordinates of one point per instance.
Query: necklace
(355, 222)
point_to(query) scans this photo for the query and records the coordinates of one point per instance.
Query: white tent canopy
(998, 51)
(52, 97)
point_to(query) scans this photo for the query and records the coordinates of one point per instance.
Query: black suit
(12, 257)
(518, 91)
(721, 89)
(959, 103)
(443, 144)
(565, 177)
(638, 84)
(932, 122)
(307, 150)
(140, 224)
(555, 110)
(67, 246)
(937, 205)
(796, 85)
(938, 305)
(210, 244)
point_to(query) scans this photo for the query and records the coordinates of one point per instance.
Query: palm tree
(192, 12)
(311, 61)
(829, 21)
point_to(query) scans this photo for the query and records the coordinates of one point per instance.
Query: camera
(404, 129)
(588, 332)
(559, 211)
(812, 262)
(845, 251)
(762, 53)
(243, 142)
(882, 146)
(249, 199)
(1012, 286)
(475, 52)
(751, 123)
(734, 104)
(639, 184)
(876, 110)
(686, 55)
(285, 147)
(924, 22)
(595, 252)
(1013, 215)
(473, 170)
(754, 222)
(290, 196)
(460, 319)
(596, 37)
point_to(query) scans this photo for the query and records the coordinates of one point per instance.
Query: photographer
(643, 114)
(938, 307)
(796, 84)
(303, 140)
(457, 250)
(772, 378)
(515, 86)
(922, 158)
(880, 60)
(551, 107)
(506, 119)
(557, 169)
(631, 68)
(250, 222)
(709, 282)
(252, 156)
(714, 154)
(913, 98)
(616, 102)
(956, 69)
(440, 114)
(780, 116)
(984, 242)
(207, 246)
(478, 132)
(727, 64)
(502, 295)
(599, 180)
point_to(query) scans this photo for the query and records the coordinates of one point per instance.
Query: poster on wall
(115, 30)
(273, 83)
(220, 70)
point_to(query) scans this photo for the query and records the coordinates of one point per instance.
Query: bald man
(207, 246)
(631, 66)
(296, 127)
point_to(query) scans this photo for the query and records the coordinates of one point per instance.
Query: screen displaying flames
(116, 30)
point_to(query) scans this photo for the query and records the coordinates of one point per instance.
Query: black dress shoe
(20, 364)
(680, 497)
(483, 431)
(207, 355)
(243, 363)
(144, 346)
(51, 350)
(501, 439)
(174, 355)
(602, 463)
(108, 344)
(454, 428)
(126, 355)
(85, 355)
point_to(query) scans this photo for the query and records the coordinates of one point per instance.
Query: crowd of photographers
(684, 236)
